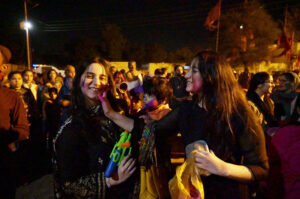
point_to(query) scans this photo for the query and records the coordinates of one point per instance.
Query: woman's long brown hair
(223, 99)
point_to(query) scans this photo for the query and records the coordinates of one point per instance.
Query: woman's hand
(125, 170)
(107, 109)
(210, 162)
(119, 119)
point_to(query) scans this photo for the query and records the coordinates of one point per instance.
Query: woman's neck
(90, 103)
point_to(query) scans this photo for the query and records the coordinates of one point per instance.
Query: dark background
(172, 23)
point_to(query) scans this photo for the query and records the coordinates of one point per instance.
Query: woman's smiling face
(93, 81)
(194, 78)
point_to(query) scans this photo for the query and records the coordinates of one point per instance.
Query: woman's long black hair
(265, 106)
(80, 112)
(223, 100)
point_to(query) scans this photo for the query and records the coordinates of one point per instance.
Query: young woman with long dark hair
(86, 139)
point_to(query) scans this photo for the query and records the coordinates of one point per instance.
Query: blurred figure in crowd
(53, 111)
(53, 80)
(14, 127)
(122, 92)
(163, 72)
(157, 72)
(65, 92)
(51, 77)
(113, 70)
(29, 83)
(16, 83)
(178, 83)
(286, 96)
(132, 74)
(33, 150)
(244, 79)
(259, 91)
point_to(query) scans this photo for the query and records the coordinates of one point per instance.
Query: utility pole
(218, 26)
(29, 62)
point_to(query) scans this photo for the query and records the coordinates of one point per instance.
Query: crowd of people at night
(68, 127)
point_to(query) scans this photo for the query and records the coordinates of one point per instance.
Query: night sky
(172, 23)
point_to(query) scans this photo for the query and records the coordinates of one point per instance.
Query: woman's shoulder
(67, 132)
(187, 104)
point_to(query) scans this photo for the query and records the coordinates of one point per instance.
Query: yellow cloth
(186, 175)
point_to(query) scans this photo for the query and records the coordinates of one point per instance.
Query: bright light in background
(27, 25)
(241, 27)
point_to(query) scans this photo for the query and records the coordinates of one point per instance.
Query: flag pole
(218, 28)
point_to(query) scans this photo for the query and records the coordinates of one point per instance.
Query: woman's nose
(96, 81)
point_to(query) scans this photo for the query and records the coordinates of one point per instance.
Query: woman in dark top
(220, 115)
(84, 142)
(261, 85)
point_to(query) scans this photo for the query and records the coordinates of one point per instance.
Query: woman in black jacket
(84, 142)
(260, 88)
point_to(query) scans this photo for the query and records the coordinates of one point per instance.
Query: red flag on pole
(285, 43)
(213, 16)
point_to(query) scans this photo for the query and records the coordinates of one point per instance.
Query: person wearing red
(13, 127)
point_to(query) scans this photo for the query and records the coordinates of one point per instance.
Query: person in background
(65, 92)
(158, 72)
(14, 127)
(123, 71)
(53, 111)
(169, 76)
(51, 76)
(157, 94)
(178, 83)
(16, 83)
(258, 95)
(244, 79)
(163, 72)
(51, 82)
(32, 151)
(261, 85)
(28, 83)
(285, 97)
(113, 70)
(283, 150)
(84, 142)
(132, 74)
(123, 95)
